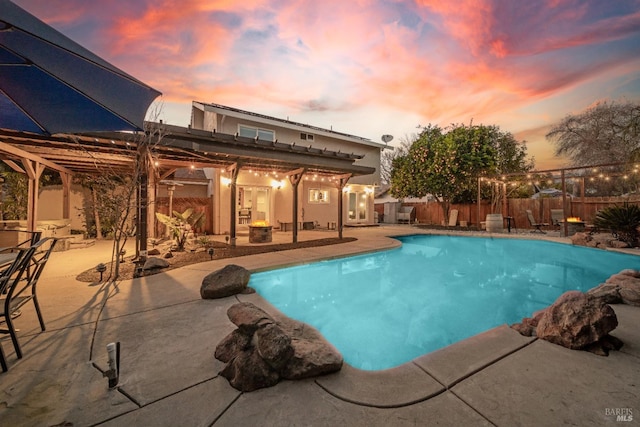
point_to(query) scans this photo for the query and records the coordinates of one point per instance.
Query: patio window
(252, 132)
(318, 196)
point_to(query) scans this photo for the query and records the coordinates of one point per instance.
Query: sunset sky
(370, 67)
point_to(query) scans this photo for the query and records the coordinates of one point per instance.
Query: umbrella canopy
(50, 84)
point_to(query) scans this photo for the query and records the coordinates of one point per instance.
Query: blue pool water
(384, 309)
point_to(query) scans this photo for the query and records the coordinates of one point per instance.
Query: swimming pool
(384, 309)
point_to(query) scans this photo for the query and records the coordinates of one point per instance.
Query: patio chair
(404, 214)
(21, 287)
(19, 263)
(557, 217)
(535, 224)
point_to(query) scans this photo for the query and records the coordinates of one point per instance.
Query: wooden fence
(431, 213)
(180, 204)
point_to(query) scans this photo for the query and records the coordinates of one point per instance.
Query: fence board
(180, 204)
(430, 213)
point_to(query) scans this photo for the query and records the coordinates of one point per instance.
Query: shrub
(181, 224)
(623, 221)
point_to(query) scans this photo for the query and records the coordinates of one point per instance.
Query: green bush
(181, 224)
(623, 221)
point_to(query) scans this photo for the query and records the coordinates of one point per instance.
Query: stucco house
(265, 195)
(236, 166)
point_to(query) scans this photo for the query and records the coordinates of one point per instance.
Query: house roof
(261, 118)
(177, 147)
(189, 174)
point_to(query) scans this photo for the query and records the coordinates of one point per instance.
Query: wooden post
(143, 201)
(33, 170)
(582, 202)
(479, 219)
(564, 203)
(234, 169)
(505, 206)
(295, 177)
(342, 182)
(66, 199)
(170, 189)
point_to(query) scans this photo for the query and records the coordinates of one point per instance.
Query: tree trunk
(445, 204)
(96, 217)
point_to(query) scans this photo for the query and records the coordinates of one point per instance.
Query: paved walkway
(169, 375)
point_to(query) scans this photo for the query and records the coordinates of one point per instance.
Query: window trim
(256, 131)
(320, 196)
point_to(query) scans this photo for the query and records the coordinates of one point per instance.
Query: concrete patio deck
(169, 376)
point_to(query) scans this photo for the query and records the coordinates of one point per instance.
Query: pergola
(581, 174)
(171, 147)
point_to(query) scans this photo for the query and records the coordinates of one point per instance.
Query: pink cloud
(442, 61)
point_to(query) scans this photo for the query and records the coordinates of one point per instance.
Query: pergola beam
(16, 152)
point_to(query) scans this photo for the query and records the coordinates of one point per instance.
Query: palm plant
(623, 221)
(181, 224)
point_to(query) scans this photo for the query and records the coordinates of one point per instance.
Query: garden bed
(221, 250)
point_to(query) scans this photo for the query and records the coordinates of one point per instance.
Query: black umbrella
(50, 84)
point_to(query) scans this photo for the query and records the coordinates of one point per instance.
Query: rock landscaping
(597, 240)
(583, 321)
(262, 351)
(229, 280)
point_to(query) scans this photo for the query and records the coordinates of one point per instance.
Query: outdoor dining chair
(8, 274)
(536, 224)
(21, 287)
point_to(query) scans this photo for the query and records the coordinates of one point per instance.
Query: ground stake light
(113, 373)
(101, 268)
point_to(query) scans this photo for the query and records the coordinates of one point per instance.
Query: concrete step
(81, 243)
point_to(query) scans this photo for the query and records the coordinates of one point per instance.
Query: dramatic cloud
(371, 66)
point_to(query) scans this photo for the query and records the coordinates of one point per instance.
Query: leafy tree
(448, 163)
(115, 191)
(15, 193)
(604, 133)
(15, 190)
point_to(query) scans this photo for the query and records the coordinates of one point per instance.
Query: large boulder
(154, 262)
(247, 317)
(529, 324)
(608, 293)
(262, 350)
(248, 372)
(232, 345)
(628, 285)
(229, 280)
(598, 240)
(576, 320)
(621, 288)
(274, 346)
(310, 359)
